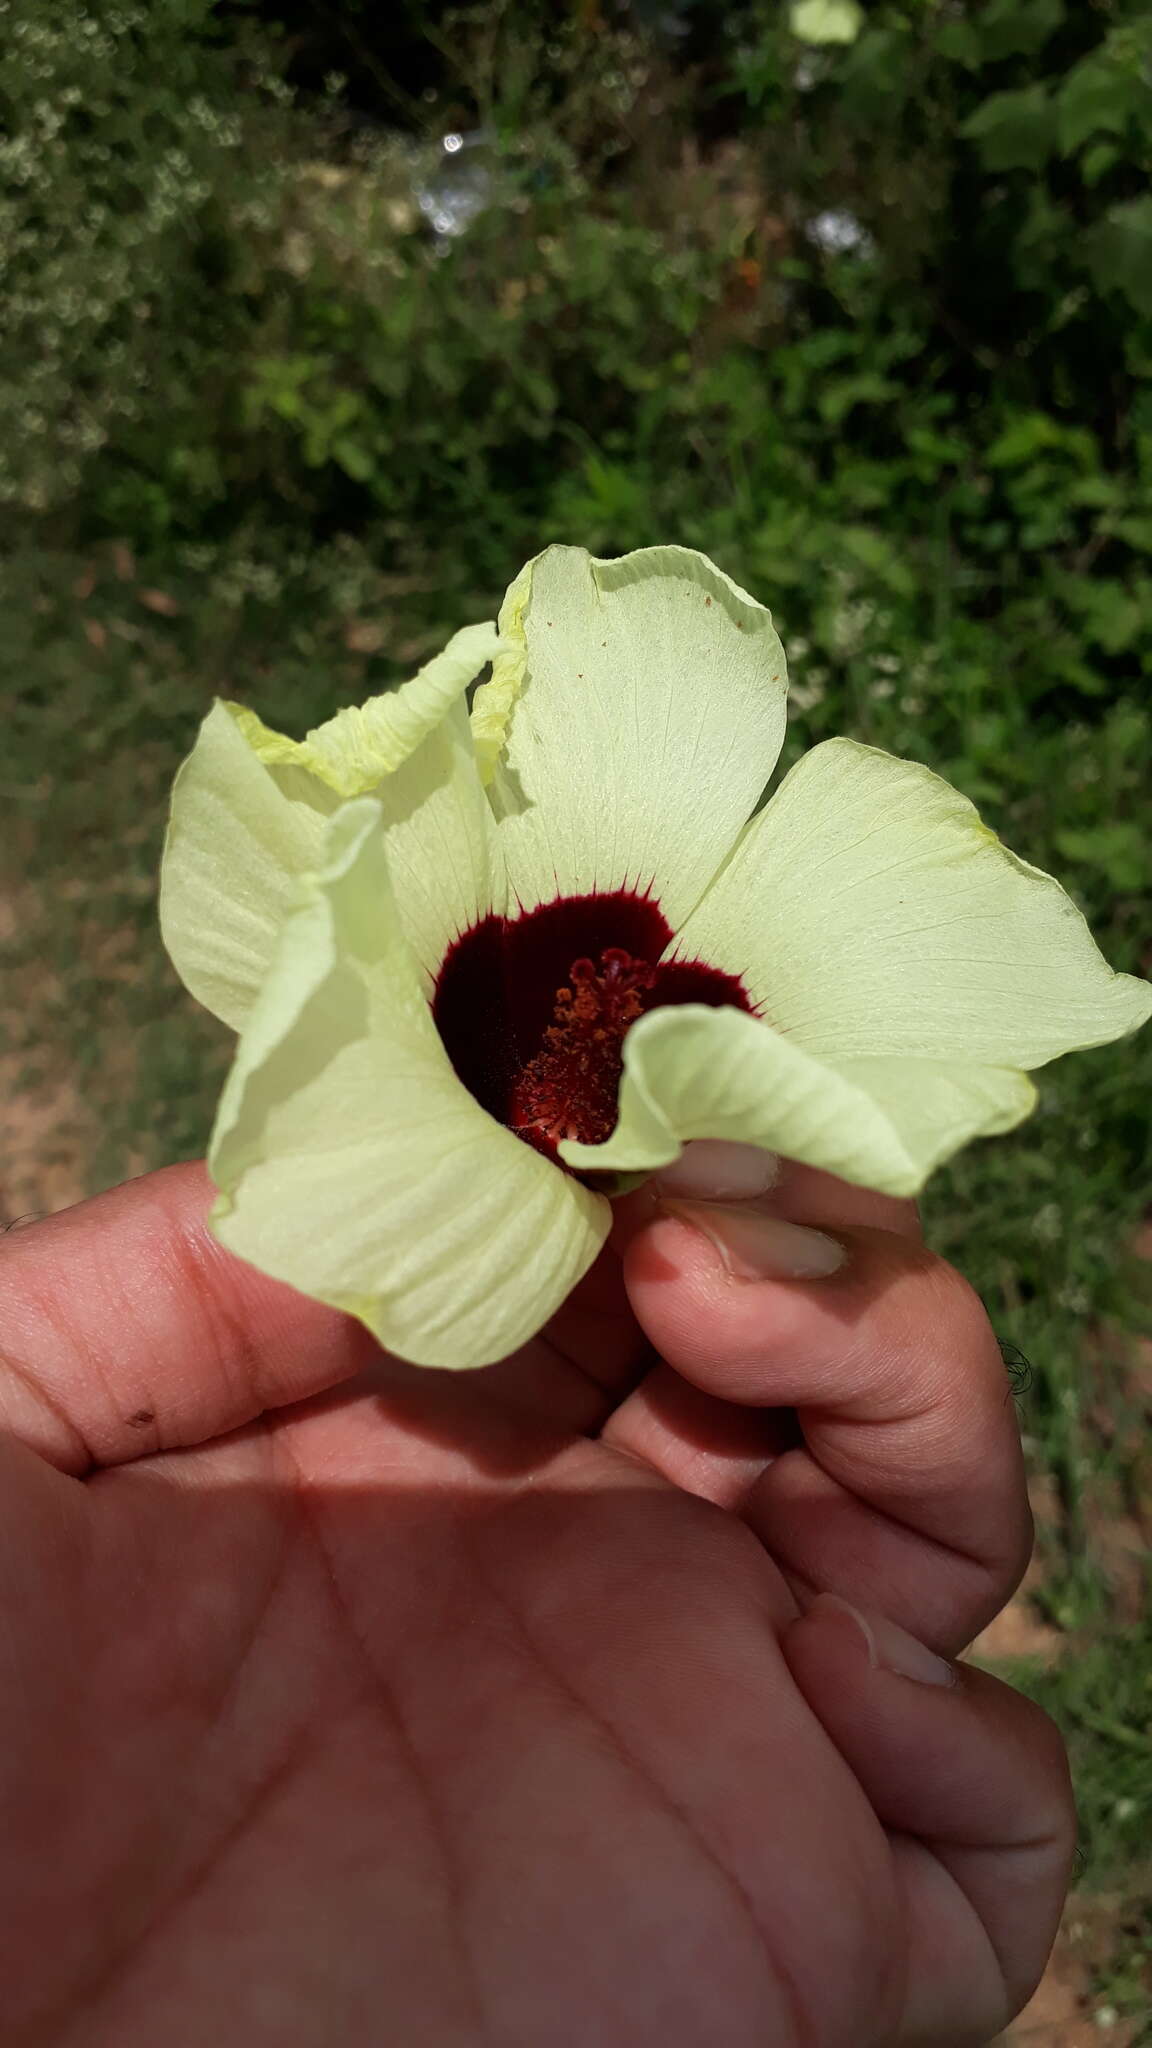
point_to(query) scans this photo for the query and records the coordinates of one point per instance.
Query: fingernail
(889, 1648)
(758, 1247)
(717, 1170)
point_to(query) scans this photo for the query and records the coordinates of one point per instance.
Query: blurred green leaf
(1025, 437)
(1007, 28)
(1015, 130)
(1108, 89)
(1119, 252)
(1119, 851)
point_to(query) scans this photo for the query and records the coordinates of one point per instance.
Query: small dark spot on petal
(707, 600)
(141, 1418)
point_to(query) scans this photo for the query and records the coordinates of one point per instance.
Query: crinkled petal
(636, 721)
(871, 913)
(351, 1161)
(250, 806)
(239, 835)
(353, 751)
(696, 1072)
(493, 701)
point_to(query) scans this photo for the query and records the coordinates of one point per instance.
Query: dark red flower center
(569, 1089)
(533, 1010)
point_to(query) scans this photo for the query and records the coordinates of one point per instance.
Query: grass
(111, 665)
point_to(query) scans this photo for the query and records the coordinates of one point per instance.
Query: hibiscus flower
(487, 969)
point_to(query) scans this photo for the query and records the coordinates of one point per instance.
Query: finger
(972, 1781)
(719, 1450)
(906, 1489)
(126, 1328)
(718, 1170)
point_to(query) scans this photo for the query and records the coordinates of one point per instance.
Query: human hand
(343, 1701)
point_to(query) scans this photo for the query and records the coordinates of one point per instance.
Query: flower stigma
(570, 1088)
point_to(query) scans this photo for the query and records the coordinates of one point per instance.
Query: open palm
(431, 1710)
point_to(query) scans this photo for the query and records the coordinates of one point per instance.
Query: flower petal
(696, 1072)
(239, 835)
(249, 809)
(871, 913)
(640, 715)
(826, 21)
(936, 1106)
(353, 751)
(444, 852)
(351, 1161)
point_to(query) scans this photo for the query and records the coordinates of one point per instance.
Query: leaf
(1024, 439)
(1089, 104)
(1118, 850)
(1119, 252)
(876, 554)
(1112, 615)
(960, 43)
(840, 397)
(1104, 92)
(1098, 161)
(353, 458)
(1013, 28)
(1137, 531)
(1014, 131)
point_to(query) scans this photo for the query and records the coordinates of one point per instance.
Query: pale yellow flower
(482, 966)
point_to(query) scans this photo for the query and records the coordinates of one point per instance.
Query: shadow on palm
(402, 1670)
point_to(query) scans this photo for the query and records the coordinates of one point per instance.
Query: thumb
(971, 1781)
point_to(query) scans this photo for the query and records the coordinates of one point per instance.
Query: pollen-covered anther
(570, 1089)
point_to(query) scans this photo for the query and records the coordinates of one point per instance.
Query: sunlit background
(317, 320)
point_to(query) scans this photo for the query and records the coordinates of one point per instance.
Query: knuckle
(1044, 1746)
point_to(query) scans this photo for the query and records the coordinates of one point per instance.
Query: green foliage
(764, 344)
(120, 125)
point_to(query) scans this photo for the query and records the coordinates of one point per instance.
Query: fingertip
(725, 1301)
(718, 1170)
(881, 1642)
(970, 1780)
(666, 1251)
(943, 1749)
